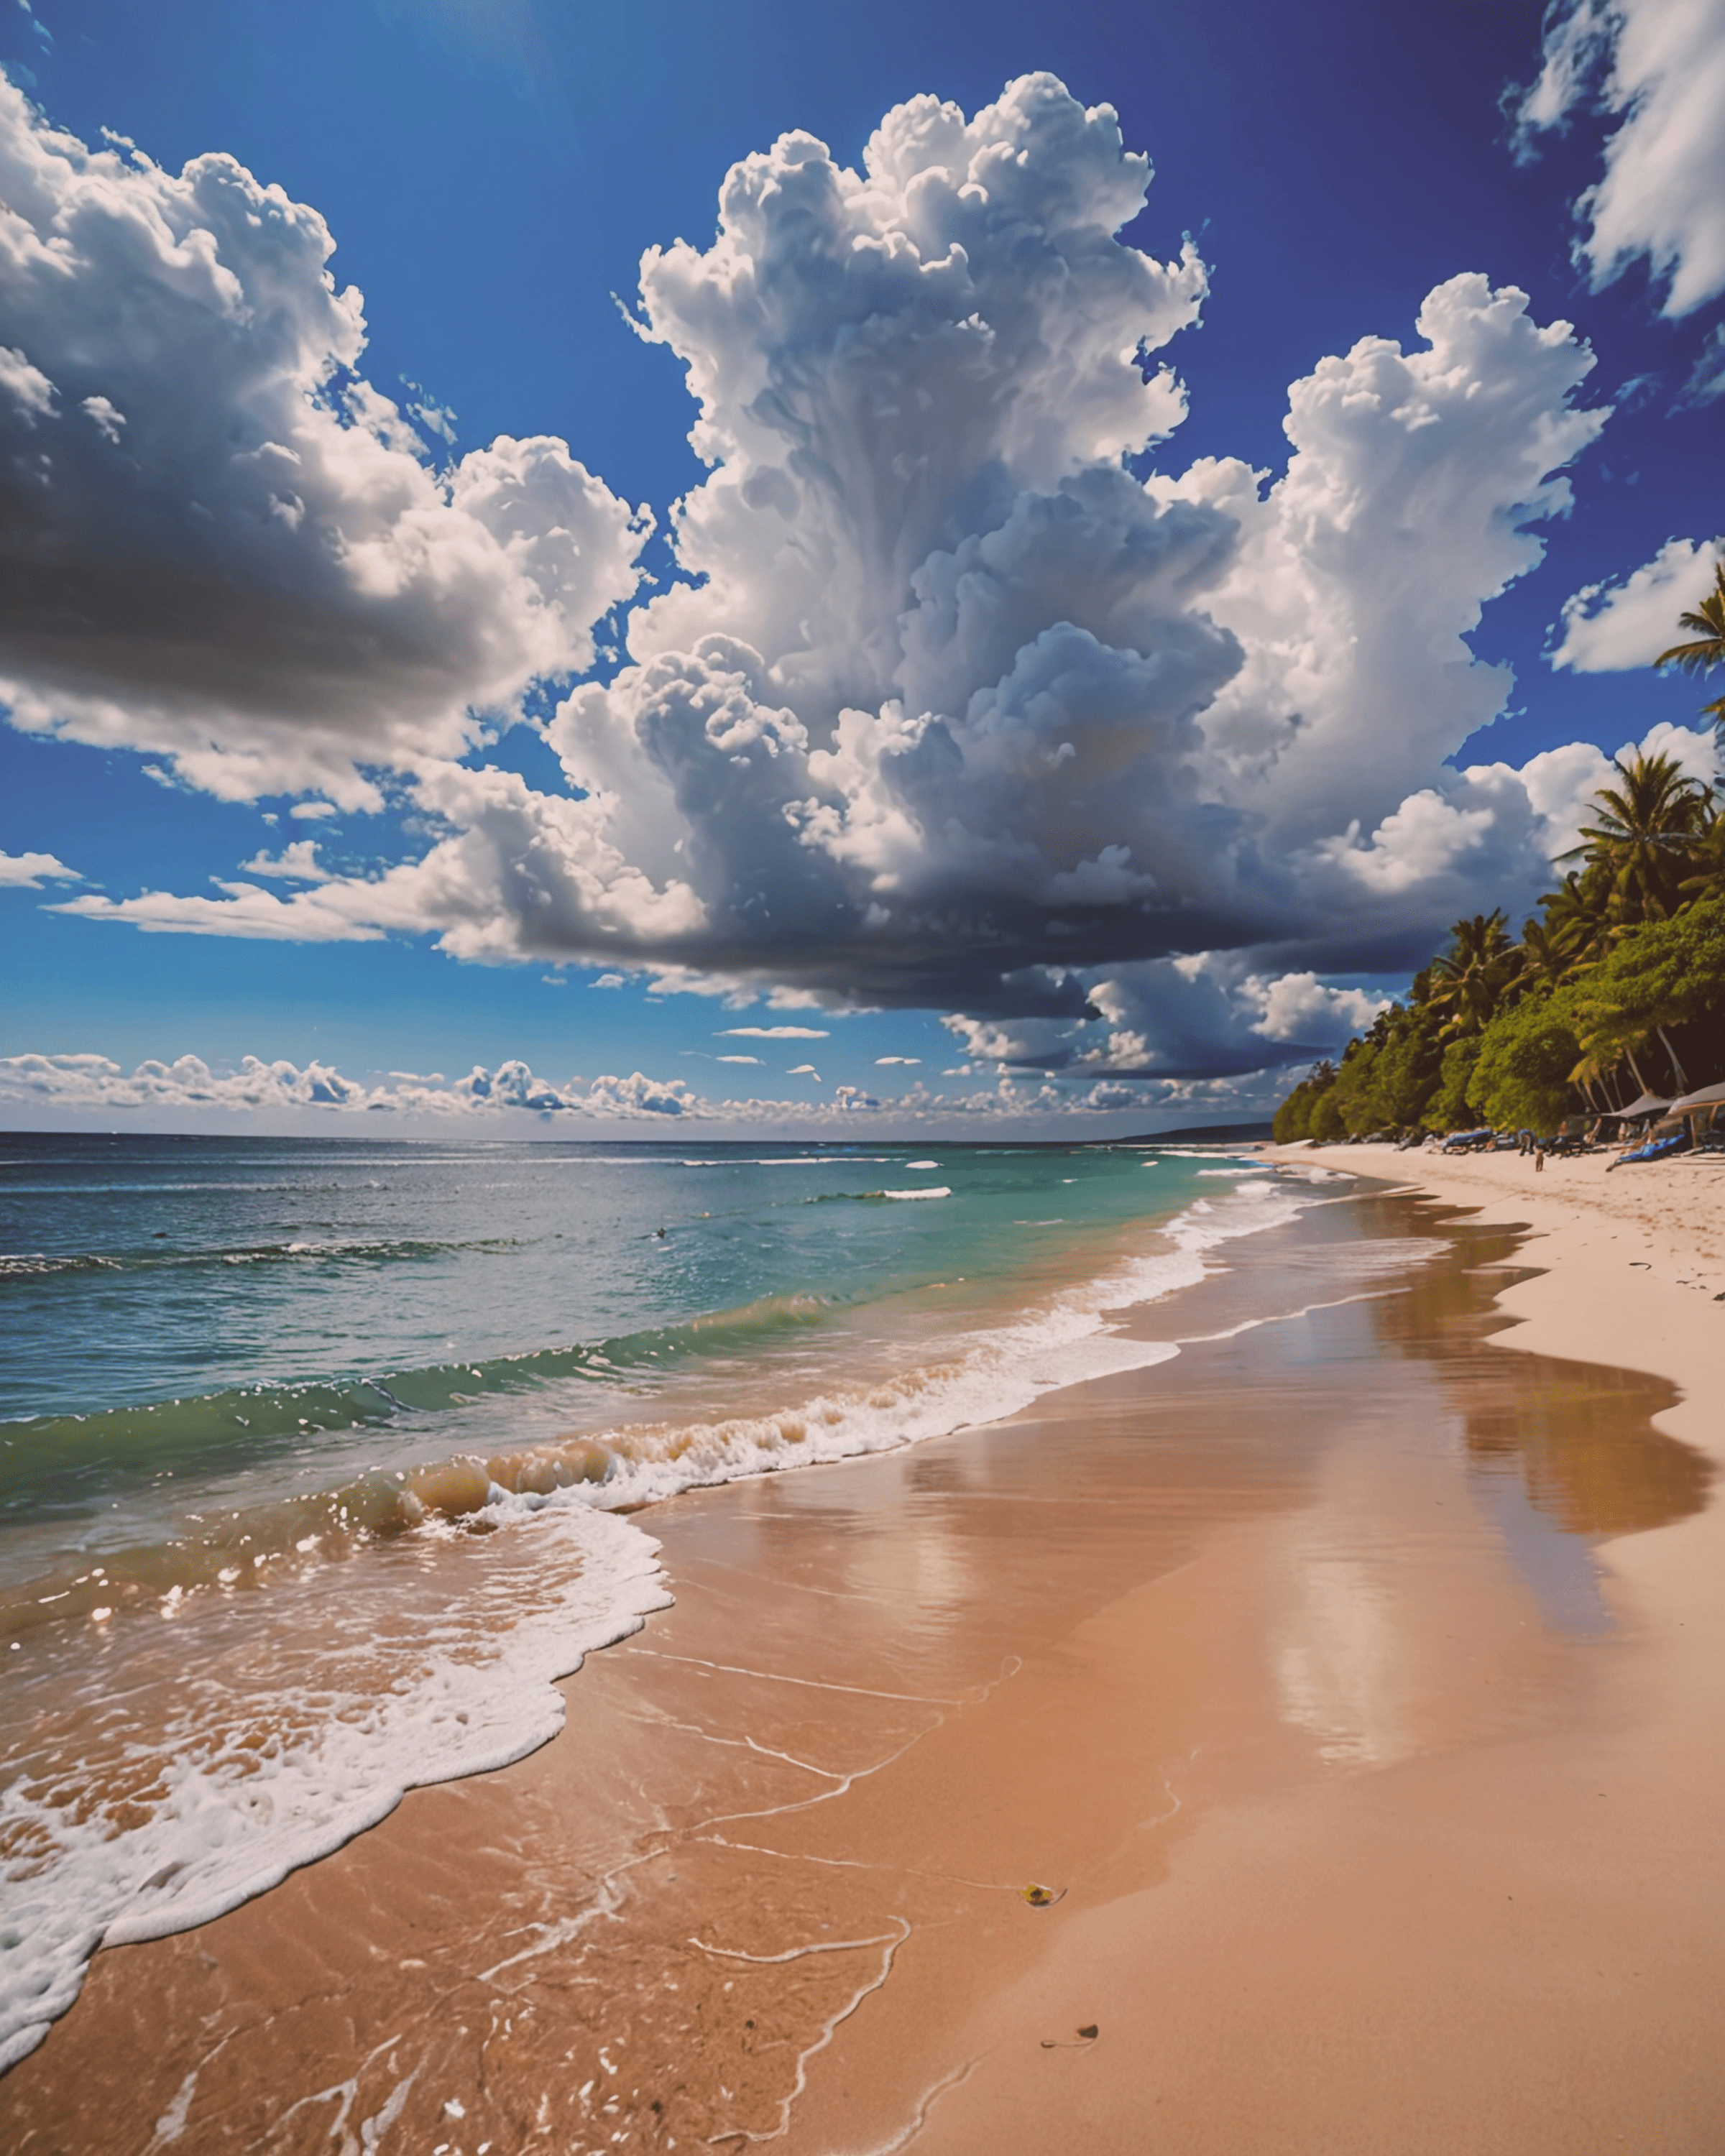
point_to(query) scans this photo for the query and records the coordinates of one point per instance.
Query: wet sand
(1667, 1218)
(1353, 1683)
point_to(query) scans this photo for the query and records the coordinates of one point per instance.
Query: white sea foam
(809, 1160)
(396, 1700)
(1070, 1338)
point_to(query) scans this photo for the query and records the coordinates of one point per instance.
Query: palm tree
(1709, 862)
(1549, 954)
(1646, 836)
(1576, 914)
(1470, 979)
(1708, 649)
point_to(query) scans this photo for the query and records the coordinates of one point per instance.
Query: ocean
(320, 1460)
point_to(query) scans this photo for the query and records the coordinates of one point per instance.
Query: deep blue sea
(319, 1460)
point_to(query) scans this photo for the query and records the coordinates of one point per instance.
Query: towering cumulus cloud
(217, 540)
(950, 708)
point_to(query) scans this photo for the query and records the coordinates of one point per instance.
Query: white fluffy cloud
(1609, 629)
(217, 540)
(297, 863)
(513, 1096)
(952, 710)
(1299, 1007)
(308, 917)
(776, 1033)
(30, 871)
(1562, 782)
(1114, 718)
(1659, 65)
(95, 1082)
(1207, 1014)
(1227, 1012)
(1094, 720)
(1405, 506)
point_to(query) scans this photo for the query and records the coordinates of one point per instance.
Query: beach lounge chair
(1664, 1143)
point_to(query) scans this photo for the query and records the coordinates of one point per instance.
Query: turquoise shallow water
(314, 1457)
(202, 1306)
(156, 1266)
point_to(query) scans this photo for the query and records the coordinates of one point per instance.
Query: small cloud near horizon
(774, 1033)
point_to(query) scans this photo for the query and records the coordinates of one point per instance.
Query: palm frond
(1707, 625)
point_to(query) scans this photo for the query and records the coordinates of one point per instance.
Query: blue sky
(491, 175)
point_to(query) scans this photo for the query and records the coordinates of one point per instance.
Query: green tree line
(1615, 988)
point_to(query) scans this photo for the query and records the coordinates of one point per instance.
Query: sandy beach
(1665, 1218)
(1351, 1684)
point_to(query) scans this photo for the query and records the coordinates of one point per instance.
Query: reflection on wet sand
(1579, 1434)
(767, 1883)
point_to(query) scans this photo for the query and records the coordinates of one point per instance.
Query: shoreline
(1629, 1262)
(1342, 1968)
(1095, 1689)
(529, 1603)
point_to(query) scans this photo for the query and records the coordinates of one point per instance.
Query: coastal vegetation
(1615, 989)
